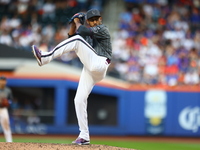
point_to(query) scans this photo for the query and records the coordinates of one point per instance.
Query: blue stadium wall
(138, 112)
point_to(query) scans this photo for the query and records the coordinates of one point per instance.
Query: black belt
(108, 60)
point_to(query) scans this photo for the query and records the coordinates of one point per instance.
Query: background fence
(46, 106)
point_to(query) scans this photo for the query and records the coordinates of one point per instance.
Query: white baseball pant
(5, 123)
(94, 70)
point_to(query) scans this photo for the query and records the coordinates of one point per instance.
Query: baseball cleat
(81, 141)
(37, 54)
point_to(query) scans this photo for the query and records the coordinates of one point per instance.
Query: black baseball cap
(92, 13)
(2, 78)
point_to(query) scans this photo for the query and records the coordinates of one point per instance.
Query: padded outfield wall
(130, 110)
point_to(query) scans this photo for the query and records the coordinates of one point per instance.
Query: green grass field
(139, 145)
(151, 145)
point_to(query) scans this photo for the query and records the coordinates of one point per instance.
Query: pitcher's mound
(52, 146)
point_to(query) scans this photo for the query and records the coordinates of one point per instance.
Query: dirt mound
(52, 146)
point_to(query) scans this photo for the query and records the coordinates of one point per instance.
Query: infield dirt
(55, 146)
(51, 146)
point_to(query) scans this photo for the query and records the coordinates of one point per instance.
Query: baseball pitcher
(93, 47)
(5, 96)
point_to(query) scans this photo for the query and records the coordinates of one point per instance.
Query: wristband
(71, 35)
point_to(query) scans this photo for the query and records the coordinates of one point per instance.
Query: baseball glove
(79, 15)
(4, 102)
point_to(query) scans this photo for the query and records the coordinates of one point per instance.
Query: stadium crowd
(157, 42)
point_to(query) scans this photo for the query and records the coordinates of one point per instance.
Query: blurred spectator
(5, 38)
(83, 5)
(32, 118)
(48, 11)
